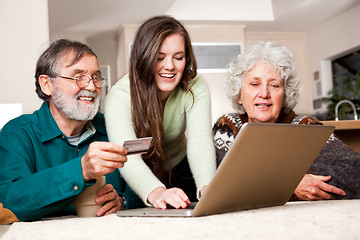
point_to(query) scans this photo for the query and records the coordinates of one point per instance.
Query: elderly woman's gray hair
(278, 56)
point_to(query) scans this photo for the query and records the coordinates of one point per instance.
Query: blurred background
(323, 35)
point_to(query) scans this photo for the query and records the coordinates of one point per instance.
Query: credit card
(137, 146)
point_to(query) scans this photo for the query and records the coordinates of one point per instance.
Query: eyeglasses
(83, 80)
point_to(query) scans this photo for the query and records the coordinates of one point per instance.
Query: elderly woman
(263, 88)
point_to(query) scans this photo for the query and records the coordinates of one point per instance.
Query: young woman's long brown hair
(147, 109)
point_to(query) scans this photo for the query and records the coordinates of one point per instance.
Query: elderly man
(49, 157)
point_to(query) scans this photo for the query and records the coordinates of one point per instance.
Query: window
(214, 57)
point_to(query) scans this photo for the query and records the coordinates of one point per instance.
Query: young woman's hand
(175, 197)
(203, 190)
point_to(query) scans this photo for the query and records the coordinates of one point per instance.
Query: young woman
(163, 97)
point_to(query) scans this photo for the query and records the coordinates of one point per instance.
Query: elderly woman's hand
(314, 187)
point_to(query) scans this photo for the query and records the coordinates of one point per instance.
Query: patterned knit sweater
(336, 158)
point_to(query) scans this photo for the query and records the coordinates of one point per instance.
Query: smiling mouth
(87, 99)
(167, 75)
(263, 105)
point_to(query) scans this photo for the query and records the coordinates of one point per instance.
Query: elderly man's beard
(70, 106)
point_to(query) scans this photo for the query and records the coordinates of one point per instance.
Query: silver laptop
(261, 169)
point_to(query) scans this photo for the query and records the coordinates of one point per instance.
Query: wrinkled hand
(102, 158)
(176, 197)
(314, 187)
(108, 196)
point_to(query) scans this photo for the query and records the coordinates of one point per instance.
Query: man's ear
(46, 84)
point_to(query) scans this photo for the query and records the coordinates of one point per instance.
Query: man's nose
(91, 86)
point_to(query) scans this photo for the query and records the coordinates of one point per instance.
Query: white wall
(105, 49)
(24, 36)
(331, 39)
(125, 36)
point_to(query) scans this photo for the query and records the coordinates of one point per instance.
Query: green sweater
(41, 172)
(187, 129)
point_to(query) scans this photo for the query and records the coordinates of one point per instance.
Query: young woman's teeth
(167, 75)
